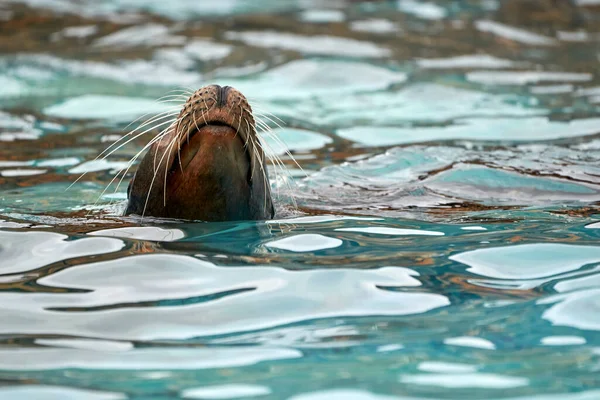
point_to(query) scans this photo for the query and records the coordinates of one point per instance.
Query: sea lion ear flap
(129, 186)
(260, 188)
(272, 208)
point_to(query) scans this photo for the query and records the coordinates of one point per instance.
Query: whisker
(177, 96)
(166, 152)
(129, 164)
(143, 116)
(273, 162)
(207, 110)
(261, 115)
(260, 161)
(261, 108)
(286, 175)
(112, 152)
(162, 135)
(265, 113)
(249, 130)
(278, 140)
(156, 118)
(137, 136)
(158, 137)
(240, 121)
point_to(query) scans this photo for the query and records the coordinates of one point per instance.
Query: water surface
(440, 240)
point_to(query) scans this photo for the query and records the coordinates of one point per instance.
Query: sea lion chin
(208, 165)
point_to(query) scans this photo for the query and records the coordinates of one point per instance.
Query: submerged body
(209, 165)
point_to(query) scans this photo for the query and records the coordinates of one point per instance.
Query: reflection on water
(440, 240)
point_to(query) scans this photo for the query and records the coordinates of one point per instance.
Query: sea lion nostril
(222, 93)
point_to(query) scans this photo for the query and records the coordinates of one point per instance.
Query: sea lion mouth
(209, 124)
(189, 147)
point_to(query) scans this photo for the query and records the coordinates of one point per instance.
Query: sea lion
(208, 165)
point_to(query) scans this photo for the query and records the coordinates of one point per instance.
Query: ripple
(58, 162)
(422, 9)
(592, 91)
(425, 176)
(498, 129)
(4, 164)
(181, 10)
(389, 347)
(562, 340)
(55, 393)
(140, 359)
(525, 77)
(89, 344)
(99, 165)
(25, 251)
(231, 391)
(295, 140)
(305, 243)
(577, 309)
(584, 395)
(470, 341)
(528, 261)
(305, 336)
(104, 107)
(459, 380)
(12, 225)
(445, 367)
(22, 172)
(53, 196)
(552, 89)
(374, 25)
(316, 44)
(466, 61)
(391, 231)
(322, 16)
(514, 33)
(473, 228)
(425, 103)
(78, 32)
(11, 87)
(587, 282)
(63, 72)
(143, 233)
(13, 128)
(319, 219)
(494, 186)
(272, 297)
(308, 78)
(14, 136)
(343, 394)
(207, 50)
(140, 35)
(577, 36)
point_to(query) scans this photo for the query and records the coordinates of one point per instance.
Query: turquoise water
(439, 242)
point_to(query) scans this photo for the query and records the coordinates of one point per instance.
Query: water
(445, 239)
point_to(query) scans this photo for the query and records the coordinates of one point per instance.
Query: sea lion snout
(209, 165)
(222, 93)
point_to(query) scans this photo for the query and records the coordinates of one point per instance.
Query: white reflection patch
(305, 243)
(381, 230)
(528, 261)
(142, 233)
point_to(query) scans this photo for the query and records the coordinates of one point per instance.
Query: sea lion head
(208, 165)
